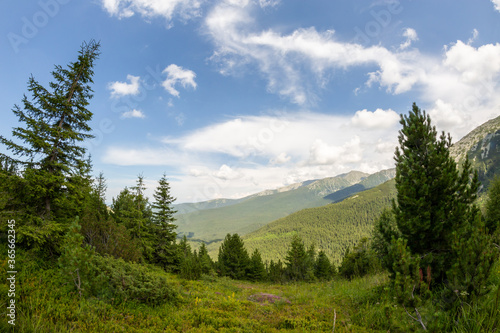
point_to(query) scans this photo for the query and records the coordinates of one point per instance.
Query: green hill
(333, 227)
(249, 214)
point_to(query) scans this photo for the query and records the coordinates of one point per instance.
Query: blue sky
(231, 97)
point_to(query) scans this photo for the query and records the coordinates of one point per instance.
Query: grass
(214, 304)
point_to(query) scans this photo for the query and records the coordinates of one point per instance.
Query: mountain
(211, 221)
(332, 228)
(482, 146)
(337, 226)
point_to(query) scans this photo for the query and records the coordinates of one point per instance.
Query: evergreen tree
(276, 272)
(493, 206)
(164, 228)
(299, 265)
(433, 198)
(256, 268)
(48, 154)
(206, 263)
(359, 262)
(132, 210)
(323, 269)
(233, 260)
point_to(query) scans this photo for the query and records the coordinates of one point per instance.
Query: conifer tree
(299, 265)
(323, 269)
(493, 206)
(233, 259)
(164, 228)
(433, 198)
(256, 268)
(47, 152)
(206, 263)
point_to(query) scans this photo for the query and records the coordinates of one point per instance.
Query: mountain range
(211, 220)
(332, 213)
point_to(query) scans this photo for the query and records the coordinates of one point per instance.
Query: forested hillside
(332, 228)
(249, 214)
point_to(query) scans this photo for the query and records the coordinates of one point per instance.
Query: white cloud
(175, 75)
(269, 3)
(377, 119)
(153, 8)
(281, 159)
(411, 36)
(119, 89)
(227, 173)
(474, 64)
(248, 154)
(133, 114)
(496, 3)
(298, 64)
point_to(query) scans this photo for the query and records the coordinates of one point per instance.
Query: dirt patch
(264, 298)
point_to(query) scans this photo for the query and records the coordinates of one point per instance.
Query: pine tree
(493, 206)
(323, 269)
(233, 259)
(47, 152)
(299, 265)
(206, 263)
(256, 268)
(164, 228)
(433, 198)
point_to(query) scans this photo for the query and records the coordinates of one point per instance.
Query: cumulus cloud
(178, 75)
(153, 8)
(119, 89)
(264, 152)
(411, 36)
(474, 64)
(227, 173)
(377, 119)
(323, 153)
(133, 114)
(281, 159)
(496, 3)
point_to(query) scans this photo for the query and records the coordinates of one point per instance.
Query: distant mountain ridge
(211, 220)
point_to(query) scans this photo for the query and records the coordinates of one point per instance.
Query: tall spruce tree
(433, 198)
(164, 247)
(47, 149)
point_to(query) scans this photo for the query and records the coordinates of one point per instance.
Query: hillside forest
(419, 252)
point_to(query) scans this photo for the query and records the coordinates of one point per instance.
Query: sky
(231, 97)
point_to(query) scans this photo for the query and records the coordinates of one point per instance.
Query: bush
(360, 262)
(120, 281)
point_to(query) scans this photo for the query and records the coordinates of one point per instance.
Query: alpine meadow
(261, 167)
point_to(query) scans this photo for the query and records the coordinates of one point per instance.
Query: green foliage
(233, 259)
(493, 206)
(384, 231)
(299, 263)
(333, 228)
(433, 197)
(48, 191)
(475, 253)
(132, 210)
(360, 262)
(163, 226)
(256, 269)
(276, 272)
(101, 232)
(75, 258)
(323, 269)
(122, 281)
